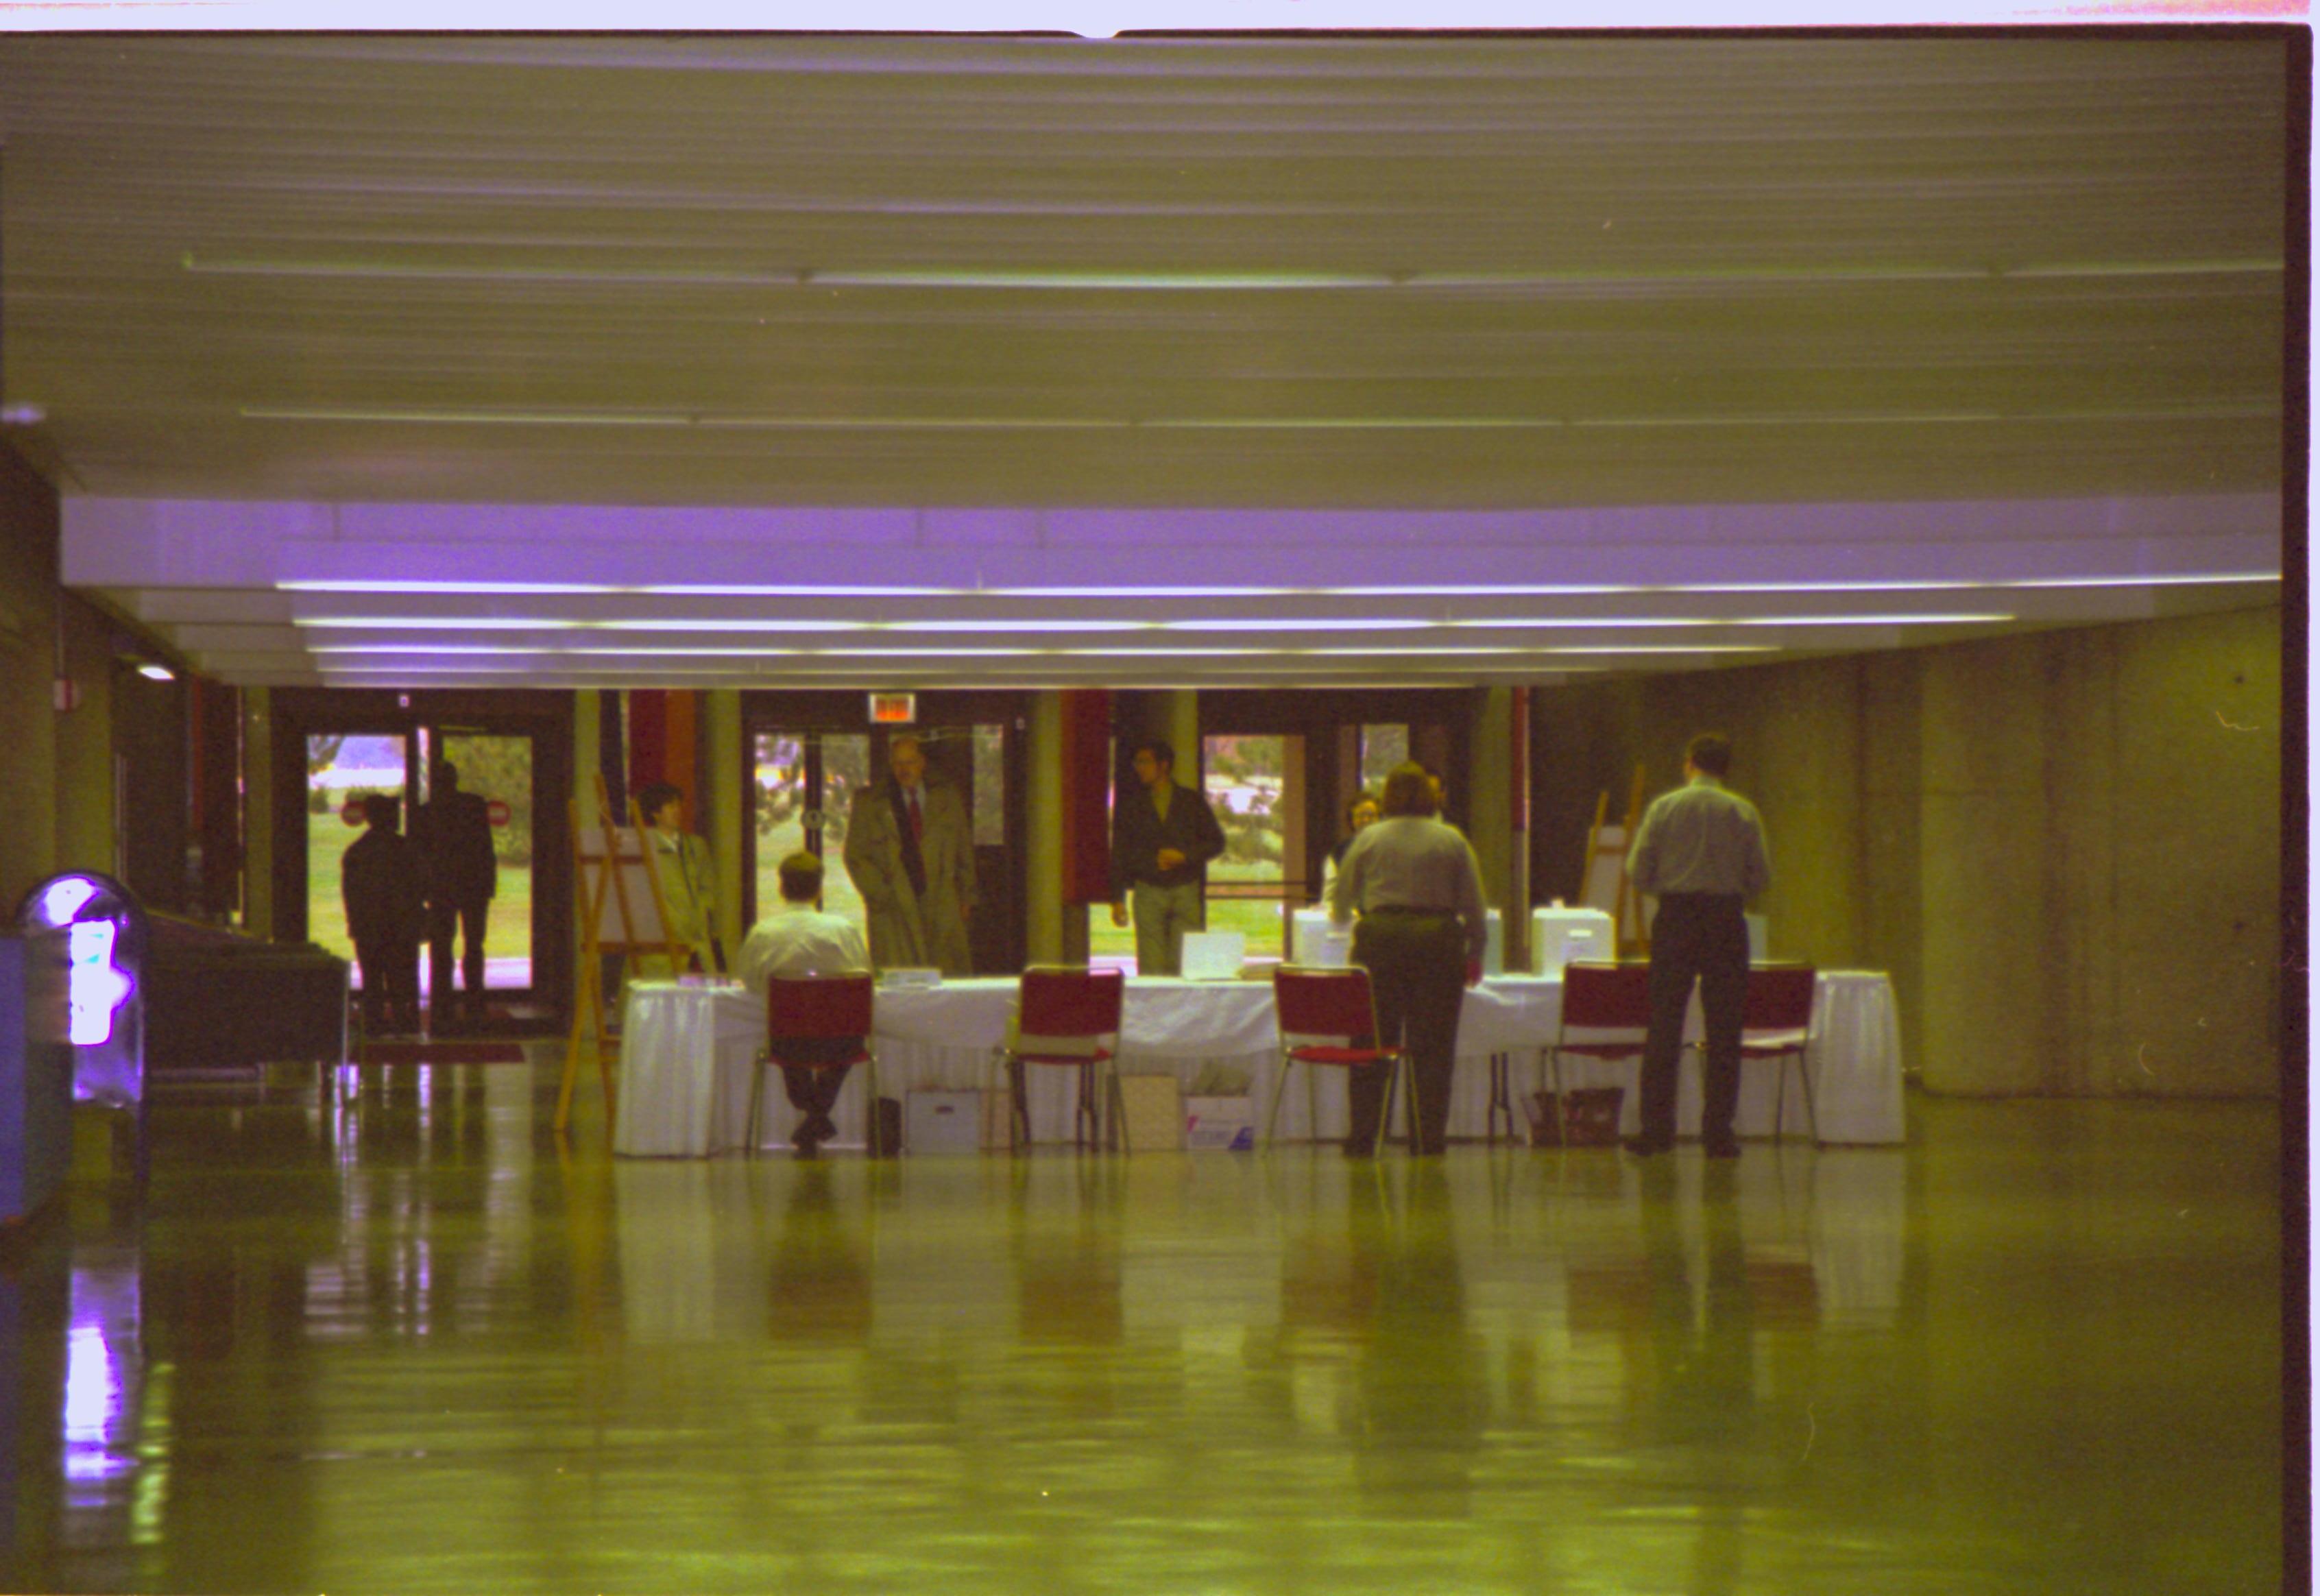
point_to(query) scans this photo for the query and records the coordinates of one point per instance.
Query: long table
(688, 1052)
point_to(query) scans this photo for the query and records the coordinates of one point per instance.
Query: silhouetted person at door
(384, 880)
(455, 829)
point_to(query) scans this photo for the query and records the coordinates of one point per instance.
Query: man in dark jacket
(455, 829)
(383, 881)
(1162, 840)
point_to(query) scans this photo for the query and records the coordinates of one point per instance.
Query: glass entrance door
(497, 767)
(804, 778)
(344, 769)
(805, 786)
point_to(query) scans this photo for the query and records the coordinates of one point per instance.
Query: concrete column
(728, 805)
(1049, 924)
(86, 819)
(258, 816)
(1982, 819)
(1174, 715)
(1490, 812)
(588, 743)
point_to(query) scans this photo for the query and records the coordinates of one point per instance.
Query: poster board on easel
(617, 890)
(1603, 882)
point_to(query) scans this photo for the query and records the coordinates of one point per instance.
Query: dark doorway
(514, 749)
(806, 754)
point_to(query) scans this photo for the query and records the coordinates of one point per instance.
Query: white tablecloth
(687, 1054)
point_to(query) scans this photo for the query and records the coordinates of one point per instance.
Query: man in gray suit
(910, 852)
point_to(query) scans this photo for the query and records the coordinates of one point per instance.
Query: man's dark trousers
(1418, 979)
(443, 920)
(1702, 937)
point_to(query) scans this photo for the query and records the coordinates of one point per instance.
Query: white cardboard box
(1227, 1123)
(1214, 956)
(935, 1121)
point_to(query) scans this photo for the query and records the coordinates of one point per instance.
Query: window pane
(1243, 778)
(845, 771)
(499, 768)
(990, 786)
(1110, 946)
(780, 781)
(1383, 749)
(338, 770)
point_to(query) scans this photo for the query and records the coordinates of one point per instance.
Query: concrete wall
(28, 669)
(2064, 846)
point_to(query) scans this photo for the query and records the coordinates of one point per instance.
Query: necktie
(918, 822)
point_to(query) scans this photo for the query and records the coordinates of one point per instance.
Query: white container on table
(1558, 936)
(1321, 943)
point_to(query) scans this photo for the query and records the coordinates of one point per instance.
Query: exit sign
(894, 709)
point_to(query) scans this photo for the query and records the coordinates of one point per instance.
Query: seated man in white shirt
(798, 939)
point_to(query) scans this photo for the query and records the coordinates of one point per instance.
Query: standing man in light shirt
(1701, 851)
(1421, 936)
(1162, 840)
(798, 939)
(911, 850)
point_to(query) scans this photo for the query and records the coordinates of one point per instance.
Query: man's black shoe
(1644, 1147)
(1723, 1147)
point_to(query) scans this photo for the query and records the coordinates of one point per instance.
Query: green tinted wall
(2064, 846)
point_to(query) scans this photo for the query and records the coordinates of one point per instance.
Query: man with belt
(1162, 840)
(1700, 850)
(1421, 936)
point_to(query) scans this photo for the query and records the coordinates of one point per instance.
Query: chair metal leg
(1397, 1074)
(1087, 1123)
(1018, 1112)
(1502, 1100)
(757, 1103)
(1273, 1110)
(1812, 1115)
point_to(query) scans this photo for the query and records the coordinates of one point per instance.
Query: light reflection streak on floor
(405, 1341)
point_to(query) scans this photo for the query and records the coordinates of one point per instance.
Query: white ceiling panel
(962, 313)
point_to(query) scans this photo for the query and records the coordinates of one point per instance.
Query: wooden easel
(1603, 881)
(602, 856)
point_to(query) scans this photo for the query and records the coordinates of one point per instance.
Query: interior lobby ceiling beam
(115, 542)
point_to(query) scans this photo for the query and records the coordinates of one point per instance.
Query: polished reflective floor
(391, 1336)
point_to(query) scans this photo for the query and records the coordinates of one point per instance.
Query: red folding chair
(828, 1012)
(1612, 1003)
(1335, 1005)
(1776, 1023)
(1065, 1017)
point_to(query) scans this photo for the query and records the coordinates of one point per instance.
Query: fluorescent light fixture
(384, 671)
(1187, 652)
(929, 653)
(1302, 623)
(1662, 648)
(431, 623)
(1021, 625)
(319, 585)
(1145, 593)
(792, 590)
(426, 651)
(2184, 581)
(1551, 622)
(659, 623)
(157, 673)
